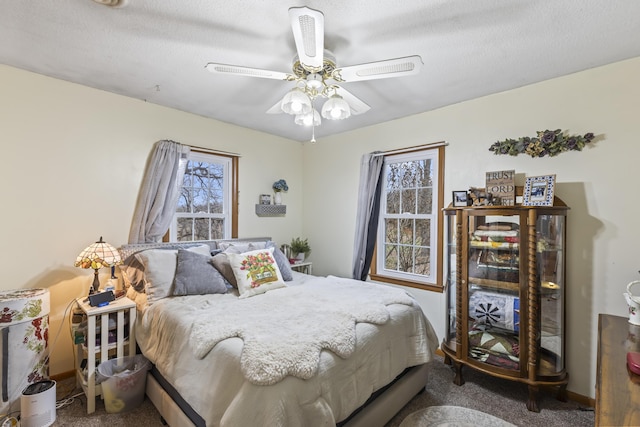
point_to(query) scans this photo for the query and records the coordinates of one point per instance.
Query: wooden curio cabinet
(505, 279)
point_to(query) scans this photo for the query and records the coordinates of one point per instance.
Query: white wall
(599, 184)
(73, 159)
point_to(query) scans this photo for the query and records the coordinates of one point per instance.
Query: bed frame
(377, 411)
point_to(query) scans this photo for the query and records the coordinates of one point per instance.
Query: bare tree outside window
(203, 212)
(407, 244)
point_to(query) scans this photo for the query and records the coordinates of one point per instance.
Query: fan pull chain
(313, 122)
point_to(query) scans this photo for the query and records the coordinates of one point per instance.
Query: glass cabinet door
(493, 290)
(450, 270)
(550, 231)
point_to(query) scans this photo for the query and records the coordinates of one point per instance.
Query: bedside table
(119, 311)
(303, 267)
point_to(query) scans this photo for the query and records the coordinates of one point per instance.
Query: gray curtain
(368, 213)
(159, 192)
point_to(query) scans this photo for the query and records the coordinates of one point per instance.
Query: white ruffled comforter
(216, 388)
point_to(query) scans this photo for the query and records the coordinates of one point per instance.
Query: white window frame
(379, 272)
(227, 211)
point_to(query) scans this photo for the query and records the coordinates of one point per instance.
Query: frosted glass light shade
(311, 118)
(336, 108)
(296, 102)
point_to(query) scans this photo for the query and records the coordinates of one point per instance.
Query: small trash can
(123, 382)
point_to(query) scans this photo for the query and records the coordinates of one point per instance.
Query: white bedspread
(217, 389)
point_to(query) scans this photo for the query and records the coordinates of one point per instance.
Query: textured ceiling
(157, 50)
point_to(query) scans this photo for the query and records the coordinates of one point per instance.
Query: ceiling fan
(317, 76)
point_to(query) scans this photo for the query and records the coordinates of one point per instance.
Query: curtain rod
(414, 148)
(212, 151)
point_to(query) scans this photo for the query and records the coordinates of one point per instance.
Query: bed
(294, 350)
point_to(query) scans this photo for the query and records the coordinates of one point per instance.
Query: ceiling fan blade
(357, 105)
(308, 33)
(246, 71)
(399, 67)
(276, 109)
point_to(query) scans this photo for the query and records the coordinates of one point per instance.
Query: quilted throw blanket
(284, 330)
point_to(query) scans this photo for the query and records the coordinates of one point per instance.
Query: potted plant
(300, 247)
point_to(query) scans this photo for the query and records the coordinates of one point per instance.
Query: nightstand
(303, 267)
(115, 320)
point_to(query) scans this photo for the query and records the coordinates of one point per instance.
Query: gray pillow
(196, 275)
(283, 263)
(221, 263)
(133, 270)
(160, 270)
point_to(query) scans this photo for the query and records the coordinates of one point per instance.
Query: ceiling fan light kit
(316, 74)
(310, 119)
(296, 101)
(336, 108)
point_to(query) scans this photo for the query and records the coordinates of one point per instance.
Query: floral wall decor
(546, 143)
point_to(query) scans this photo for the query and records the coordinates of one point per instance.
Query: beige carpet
(503, 399)
(449, 416)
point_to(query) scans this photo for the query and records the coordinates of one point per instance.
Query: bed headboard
(127, 250)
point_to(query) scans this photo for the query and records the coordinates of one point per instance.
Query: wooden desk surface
(617, 389)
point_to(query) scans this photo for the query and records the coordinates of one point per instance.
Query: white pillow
(160, 270)
(256, 272)
(242, 246)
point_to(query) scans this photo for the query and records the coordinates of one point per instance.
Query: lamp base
(95, 286)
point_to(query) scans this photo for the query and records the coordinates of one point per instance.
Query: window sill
(392, 280)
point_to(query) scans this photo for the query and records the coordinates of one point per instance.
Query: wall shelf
(271, 210)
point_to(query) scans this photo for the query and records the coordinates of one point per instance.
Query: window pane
(184, 229)
(391, 226)
(184, 201)
(409, 201)
(216, 198)
(422, 265)
(423, 232)
(217, 228)
(408, 174)
(216, 173)
(406, 231)
(405, 259)
(201, 229)
(424, 173)
(391, 257)
(200, 200)
(425, 201)
(393, 202)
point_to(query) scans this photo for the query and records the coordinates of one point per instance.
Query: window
(408, 244)
(207, 204)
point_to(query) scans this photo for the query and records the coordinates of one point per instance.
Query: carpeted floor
(501, 398)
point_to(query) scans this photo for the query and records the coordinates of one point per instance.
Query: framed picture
(502, 186)
(265, 199)
(460, 198)
(538, 190)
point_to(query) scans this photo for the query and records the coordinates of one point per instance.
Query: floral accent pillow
(256, 272)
